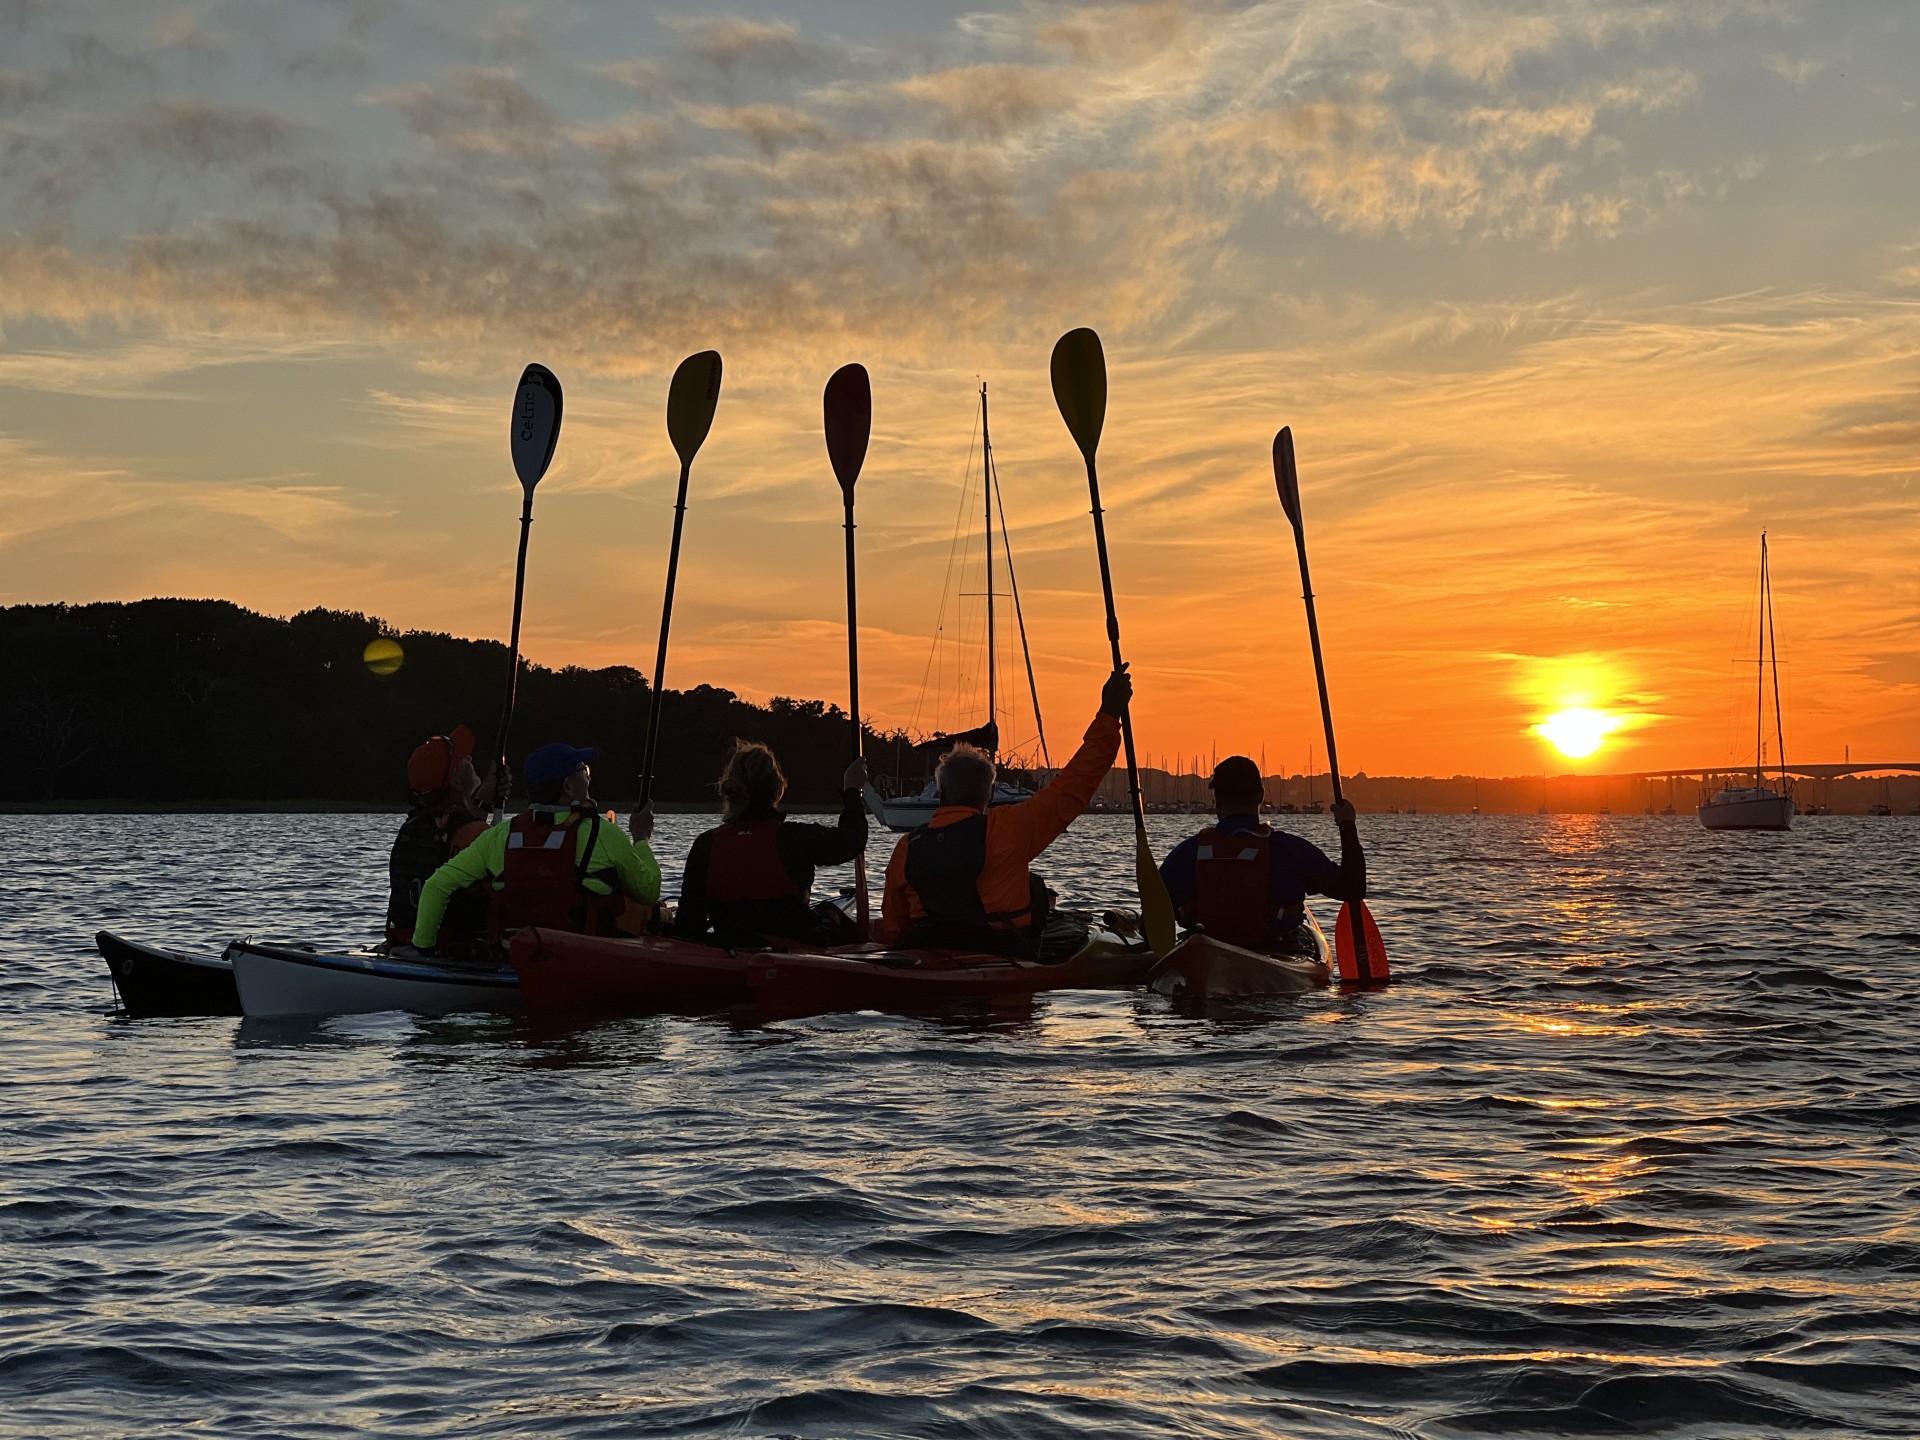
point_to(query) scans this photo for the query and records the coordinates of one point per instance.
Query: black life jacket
(424, 844)
(944, 864)
(543, 883)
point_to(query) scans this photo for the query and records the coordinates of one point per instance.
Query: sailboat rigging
(901, 811)
(1758, 806)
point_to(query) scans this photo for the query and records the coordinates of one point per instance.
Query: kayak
(918, 980)
(299, 980)
(562, 970)
(1201, 968)
(152, 981)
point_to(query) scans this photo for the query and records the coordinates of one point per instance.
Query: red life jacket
(544, 883)
(1231, 875)
(744, 864)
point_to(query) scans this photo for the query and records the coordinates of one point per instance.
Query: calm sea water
(1629, 1148)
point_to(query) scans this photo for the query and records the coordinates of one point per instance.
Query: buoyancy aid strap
(586, 853)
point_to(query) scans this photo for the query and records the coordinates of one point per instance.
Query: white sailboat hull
(909, 812)
(1747, 809)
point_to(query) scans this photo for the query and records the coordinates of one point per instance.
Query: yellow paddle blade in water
(1156, 905)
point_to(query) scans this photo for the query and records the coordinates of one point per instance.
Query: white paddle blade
(537, 405)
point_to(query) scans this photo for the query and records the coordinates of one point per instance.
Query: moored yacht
(1758, 806)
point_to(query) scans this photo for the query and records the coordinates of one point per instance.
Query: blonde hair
(750, 777)
(965, 777)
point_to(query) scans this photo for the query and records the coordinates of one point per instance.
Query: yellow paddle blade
(1156, 905)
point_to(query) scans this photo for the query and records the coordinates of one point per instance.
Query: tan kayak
(1201, 968)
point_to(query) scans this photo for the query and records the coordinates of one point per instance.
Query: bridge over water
(1805, 772)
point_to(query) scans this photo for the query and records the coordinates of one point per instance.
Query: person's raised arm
(1036, 824)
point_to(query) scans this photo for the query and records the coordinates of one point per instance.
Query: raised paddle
(1080, 390)
(849, 423)
(691, 400)
(1358, 952)
(537, 405)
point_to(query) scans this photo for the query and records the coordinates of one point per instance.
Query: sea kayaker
(961, 882)
(1246, 883)
(446, 809)
(751, 877)
(558, 863)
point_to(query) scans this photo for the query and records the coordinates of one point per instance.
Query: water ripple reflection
(1628, 1149)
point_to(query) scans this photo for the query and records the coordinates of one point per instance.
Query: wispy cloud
(1529, 280)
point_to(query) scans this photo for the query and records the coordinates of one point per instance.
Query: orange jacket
(1015, 833)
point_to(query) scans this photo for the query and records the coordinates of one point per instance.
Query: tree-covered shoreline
(176, 702)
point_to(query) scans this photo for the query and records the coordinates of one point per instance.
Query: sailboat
(1757, 806)
(1313, 806)
(909, 811)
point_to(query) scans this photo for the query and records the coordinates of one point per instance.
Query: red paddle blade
(849, 415)
(1285, 475)
(1359, 956)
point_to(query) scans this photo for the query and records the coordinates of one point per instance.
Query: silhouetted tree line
(201, 700)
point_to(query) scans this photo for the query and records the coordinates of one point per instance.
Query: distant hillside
(201, 700)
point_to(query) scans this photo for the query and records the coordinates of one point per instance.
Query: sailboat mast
(1760, 665)
(986, 488)
(1773, 649)
(1019, 615)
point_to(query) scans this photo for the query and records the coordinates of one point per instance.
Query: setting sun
(1577, 733)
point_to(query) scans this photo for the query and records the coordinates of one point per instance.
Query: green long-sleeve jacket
(630, 862)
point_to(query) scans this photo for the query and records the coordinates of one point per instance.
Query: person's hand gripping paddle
(849, 423)
(1080, 390)
(536, 430)
(1358, 952)
(691, 401)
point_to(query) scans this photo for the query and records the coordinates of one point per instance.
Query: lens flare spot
(384, 656)
(1577, 733)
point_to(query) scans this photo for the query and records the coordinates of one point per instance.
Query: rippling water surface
(1629, 1147)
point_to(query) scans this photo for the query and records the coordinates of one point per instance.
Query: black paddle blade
(690, 402)
(849, 407)
(1285, 476)
(536, 424)
(1080, 387)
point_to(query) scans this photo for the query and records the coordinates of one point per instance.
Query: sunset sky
(1565, 303)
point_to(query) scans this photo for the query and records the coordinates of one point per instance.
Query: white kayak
(299, 980)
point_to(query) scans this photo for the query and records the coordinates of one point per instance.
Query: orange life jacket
(543, 883)
(1231, 876)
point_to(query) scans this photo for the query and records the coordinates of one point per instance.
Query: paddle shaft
(1319, 664)
(862, 914)
(1113, 639)
(513, 645)
(660, 655)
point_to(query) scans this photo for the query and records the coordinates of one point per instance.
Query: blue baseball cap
(555, 762)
